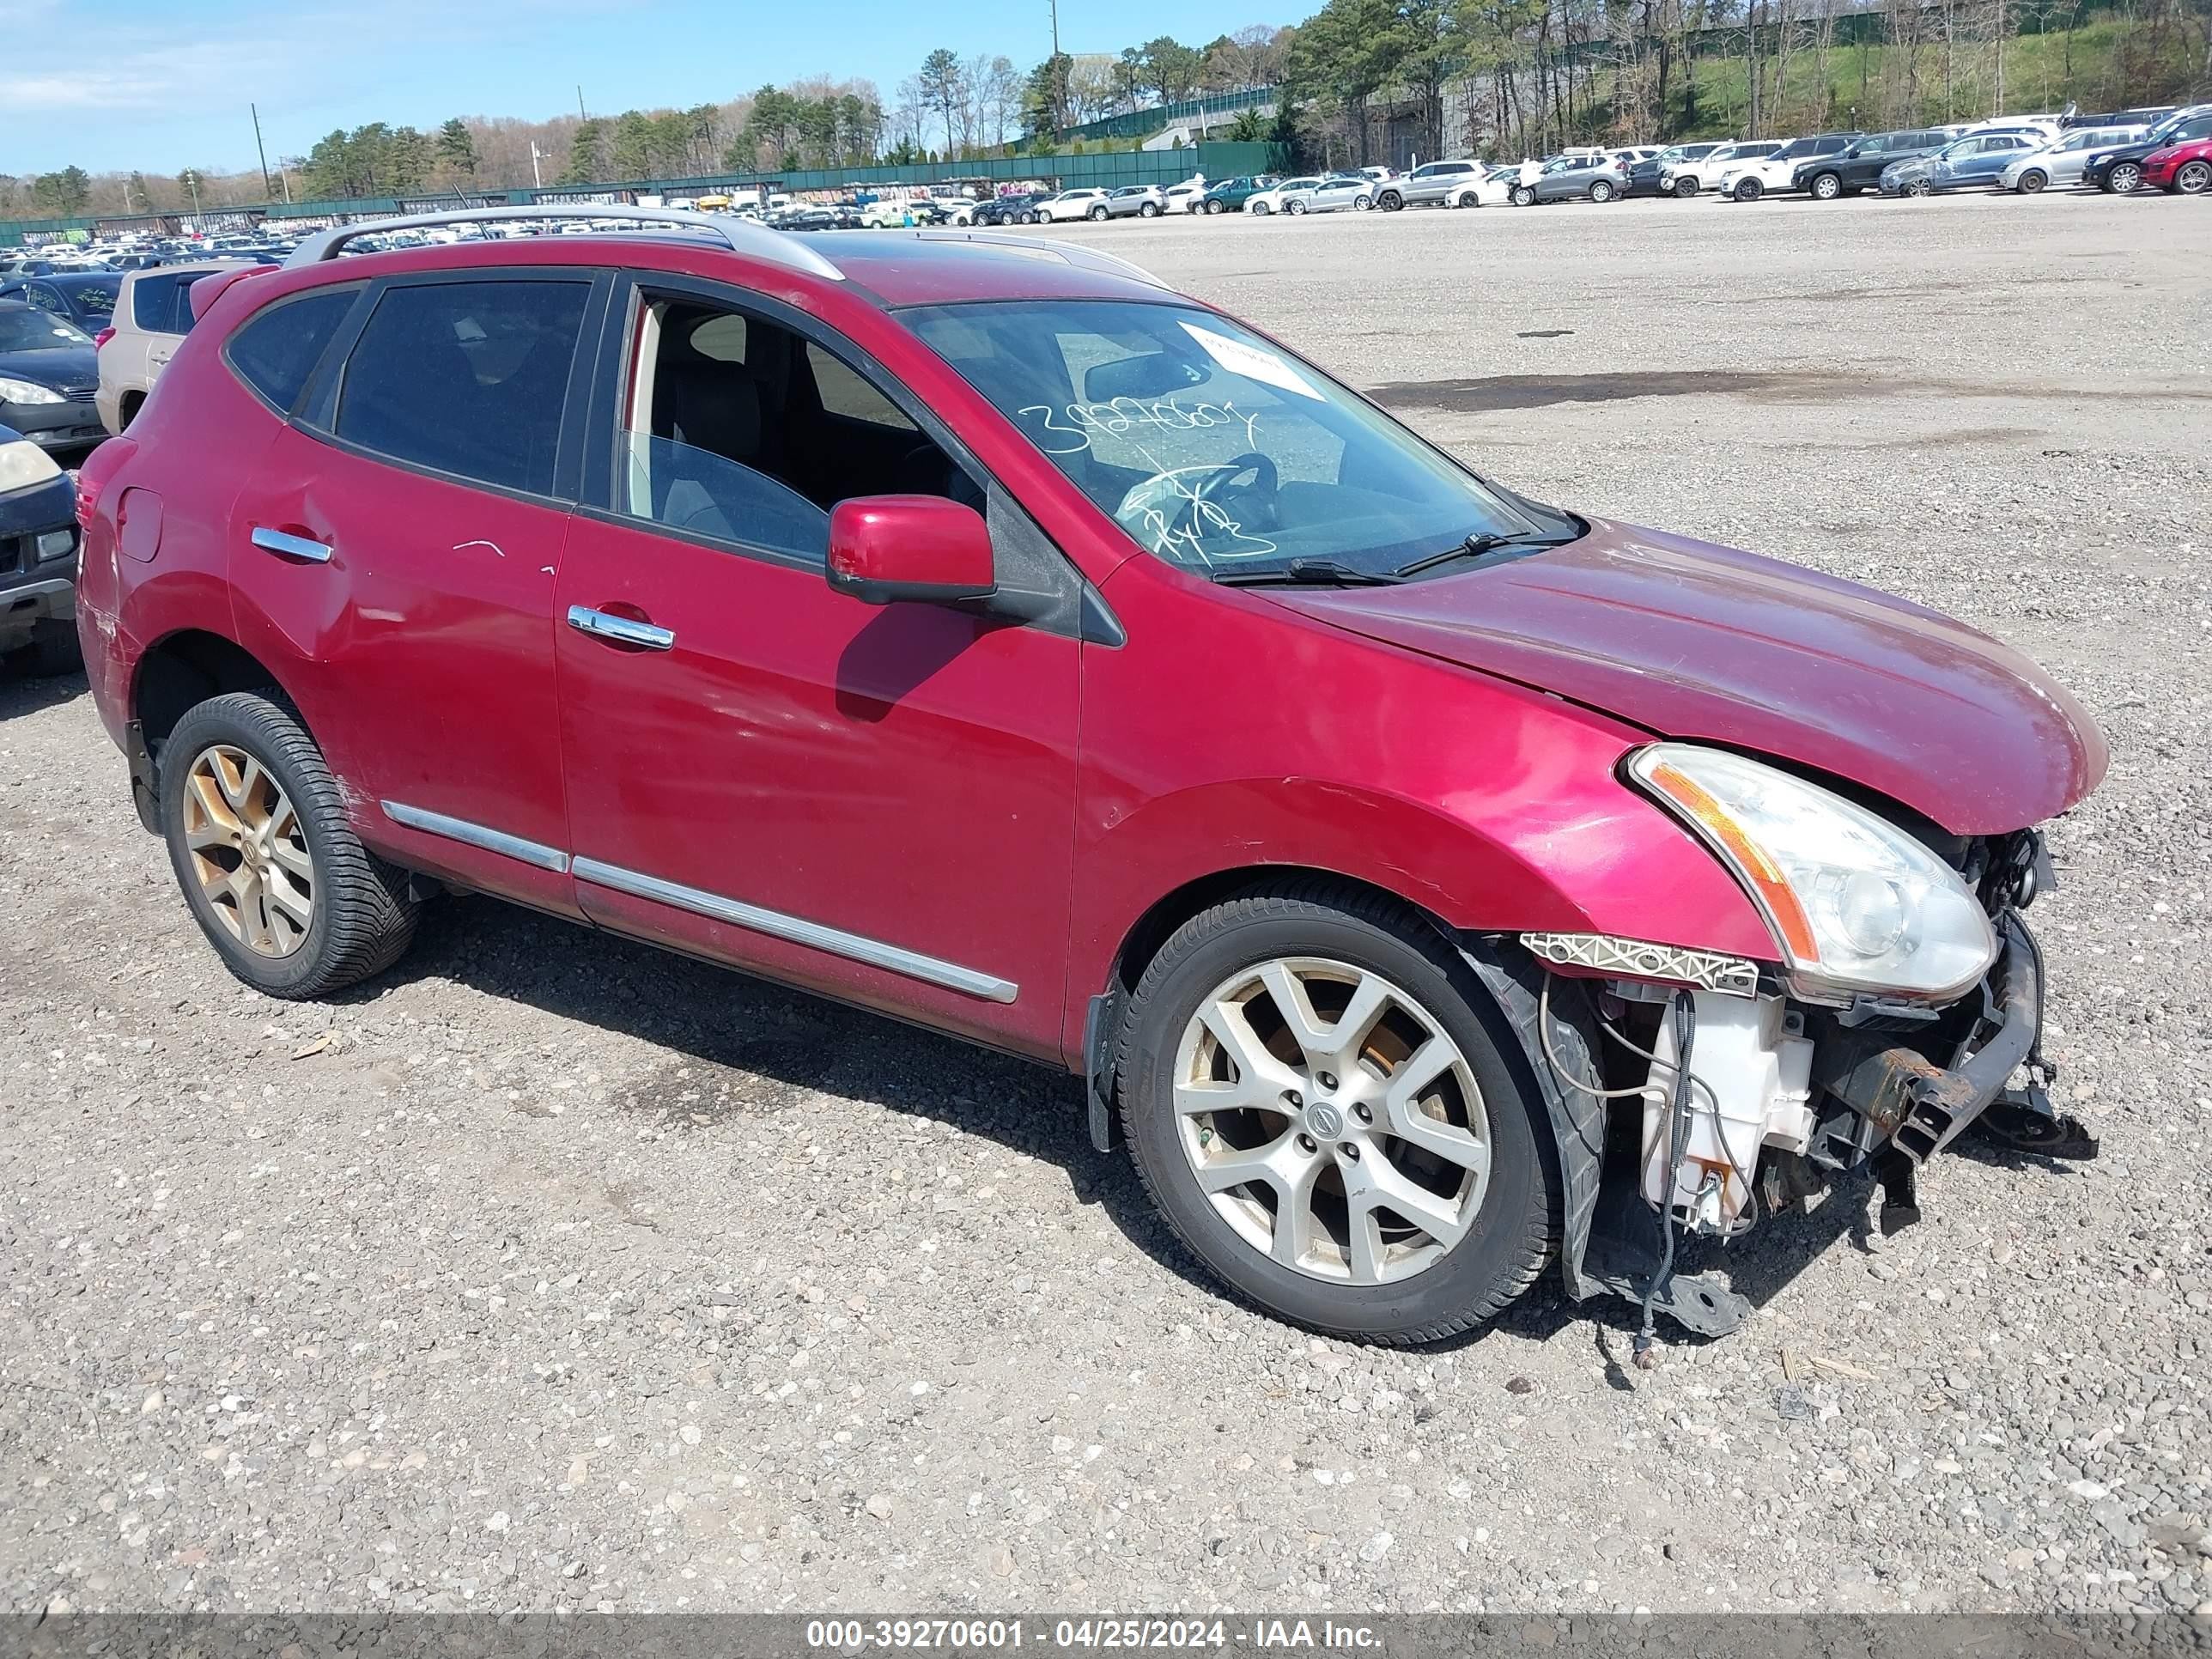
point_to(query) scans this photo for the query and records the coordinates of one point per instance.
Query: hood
(65, 368)
(1691, 640)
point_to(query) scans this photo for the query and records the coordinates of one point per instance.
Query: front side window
(1211, 447)
(466, 378)
(739, 430)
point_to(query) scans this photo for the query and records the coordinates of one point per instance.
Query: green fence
(1104, 170)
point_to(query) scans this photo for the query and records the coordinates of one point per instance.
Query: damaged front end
(1695, 1095)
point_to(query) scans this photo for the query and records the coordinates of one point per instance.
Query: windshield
(1211, 448)
(37, 330)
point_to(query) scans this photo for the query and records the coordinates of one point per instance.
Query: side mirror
(884, 548)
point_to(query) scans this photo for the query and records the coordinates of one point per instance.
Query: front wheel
(1601, 190)
(1685, 189)
(1825, 187)
(1259, 210)
(2193, 179)
(1749, 190)
(1523, 197)
(1920, 187)
(1148, 210)
(2032, 180)
(1098, 214)
(1294, 207)
(1314, 1090)
(1390, 201)
(2124, 177)
(1031, 219)
(1213, 208)
(257, 834)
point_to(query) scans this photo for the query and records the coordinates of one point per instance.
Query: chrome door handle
(620, 629)
(290, 547)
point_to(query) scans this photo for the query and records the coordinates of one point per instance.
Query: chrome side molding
(476, 834)
(853, 947)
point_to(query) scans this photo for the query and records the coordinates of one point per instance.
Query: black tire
(1390, 201)
(2032, 180)
(52, 651)
(1601, 190)
(1749, 190)
(1685, 189)
(1513, 1233)
(363, 918)
(1824, 186)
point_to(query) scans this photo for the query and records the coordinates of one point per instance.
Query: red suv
(1428, 882)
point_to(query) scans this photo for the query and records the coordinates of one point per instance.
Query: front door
(876, 801)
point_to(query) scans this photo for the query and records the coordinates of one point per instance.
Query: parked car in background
(1571, 178)
(2061, 161)
(1316, 978)
(1644, 178)
(86, 298)
(1262, 202)
(1687, 176)
(1016, 210)
(1339, 192)
(1182, 198)
(1858, 165)
(2185, 169)
(1071, 204)
(1462, 183)
(1751, 177)
(49, 372)
(2119, 170)
(1230, 195)
(38, 559)
(1136, 202)
(1971, 162)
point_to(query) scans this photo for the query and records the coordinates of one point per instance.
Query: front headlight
(23, 463)
(1856, 903)
(24, 391)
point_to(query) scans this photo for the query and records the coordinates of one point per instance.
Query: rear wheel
(2122, 178)
(1825, 187)
(1314, 1090)
(1685, 189)
(2032, 180)
(1601, 190)
(292, 903)
(1148, 210)
(2193, 179)
(1362, 203)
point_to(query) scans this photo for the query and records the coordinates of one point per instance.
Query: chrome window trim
(476, 834)
(854, 947)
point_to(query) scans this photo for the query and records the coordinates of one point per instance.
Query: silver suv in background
(1137, 201)
(1434, 184)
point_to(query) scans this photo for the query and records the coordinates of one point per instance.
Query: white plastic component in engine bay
(1750, 1087)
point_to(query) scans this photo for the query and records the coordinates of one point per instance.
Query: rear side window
(162, 304)
(276, 351)
(466, 378)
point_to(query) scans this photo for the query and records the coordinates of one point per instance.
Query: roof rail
(1089, 257)
(739, 236)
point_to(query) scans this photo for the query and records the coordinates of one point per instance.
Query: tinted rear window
(277, 351)
(161, 304)
(467, 378)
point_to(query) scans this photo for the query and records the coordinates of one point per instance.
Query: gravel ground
(551, 1272)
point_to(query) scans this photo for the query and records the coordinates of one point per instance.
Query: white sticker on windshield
(1252, 362)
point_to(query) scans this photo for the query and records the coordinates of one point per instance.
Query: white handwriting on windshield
(1119, 415)
(1197, 518)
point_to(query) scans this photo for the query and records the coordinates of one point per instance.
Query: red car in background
(1428, 882)
(2184, 169)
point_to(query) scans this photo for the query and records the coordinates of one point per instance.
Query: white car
(1748, 180)
(1262, 202)
(1687, 176)
(2060, 163)
(1183, 198)
(1073, 204)
(1341, 192)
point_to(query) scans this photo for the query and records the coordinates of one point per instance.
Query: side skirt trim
(476, 834)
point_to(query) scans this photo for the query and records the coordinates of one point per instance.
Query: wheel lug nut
(1306, 1143)
(1363, 1115)
(1350, 1151)
(1324, 1079)
(1293, 1099)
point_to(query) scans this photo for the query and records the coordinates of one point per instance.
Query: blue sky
(160, 85)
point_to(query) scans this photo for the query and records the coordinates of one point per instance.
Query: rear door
(397, 553)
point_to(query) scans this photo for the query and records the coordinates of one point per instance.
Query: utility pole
(267, 191)
(1054, 5)
(535, 179)
(580, 116)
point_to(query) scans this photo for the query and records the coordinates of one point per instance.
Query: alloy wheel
(2194, 177)
(1920, 187)
(1826, 187)
(249, 851)
(1600, 192)
(2124, 177)
(1331, 1121)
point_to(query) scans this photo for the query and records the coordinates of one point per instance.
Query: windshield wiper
(1307, 573)
(1473, 547)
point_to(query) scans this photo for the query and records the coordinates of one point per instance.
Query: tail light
(102, 338)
